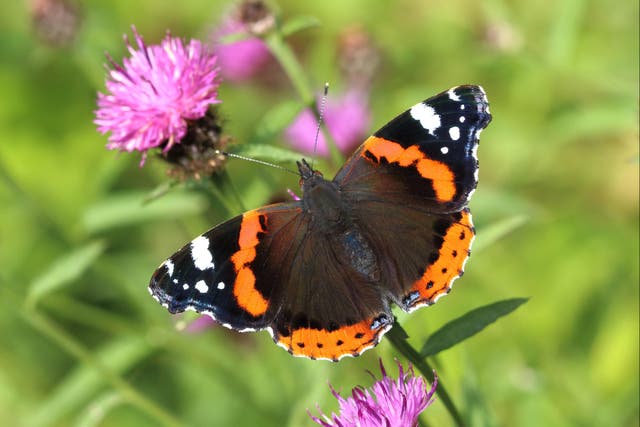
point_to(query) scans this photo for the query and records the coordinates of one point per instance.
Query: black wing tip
(473, 95)
(162, 297)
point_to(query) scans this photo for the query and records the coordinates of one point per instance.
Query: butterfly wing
(424, 157)
(408, 186)
(212, 274)
(326, 295)
(271, 268)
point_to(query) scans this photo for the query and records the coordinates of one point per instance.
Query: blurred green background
(83, 344)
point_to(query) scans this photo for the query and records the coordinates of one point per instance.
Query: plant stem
(291, 66)
(228, 188)
(285, 56)
(69, 344)
(398, 339)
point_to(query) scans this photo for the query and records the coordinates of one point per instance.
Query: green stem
(216, 197)
(398, 339)
(228, 188)
(42, 215)
(291, 66)
(285, 56)
(67, 342)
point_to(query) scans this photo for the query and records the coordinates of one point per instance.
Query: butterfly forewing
(426, 156)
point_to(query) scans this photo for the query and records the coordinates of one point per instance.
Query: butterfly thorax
(330, 215)
(322, 200)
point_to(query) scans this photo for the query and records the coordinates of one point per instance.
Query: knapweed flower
(347, 119)
(389, 402)
(240, 59)
(56, 22)
(201, 324)
(156, 93)
(358, 58)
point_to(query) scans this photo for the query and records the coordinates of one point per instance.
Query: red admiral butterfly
(320, 274)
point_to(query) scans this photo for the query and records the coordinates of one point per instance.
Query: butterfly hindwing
(426, 252)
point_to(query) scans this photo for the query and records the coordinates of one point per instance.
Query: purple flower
(239, 60)
(56, 22)
(200, 324)
(157, 91)
(389, 402)
(347, 119)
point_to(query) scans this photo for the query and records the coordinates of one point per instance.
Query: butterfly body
(320, 274)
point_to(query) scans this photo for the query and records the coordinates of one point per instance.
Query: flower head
(56, 22)
(158, 90)
(347, 119)
(201, 324)
(389, 402)
(241, 59)
(358, 57)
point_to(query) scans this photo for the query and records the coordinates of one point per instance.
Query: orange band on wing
(454, 251)
(323, 344)
(244, 290)
(439, 173)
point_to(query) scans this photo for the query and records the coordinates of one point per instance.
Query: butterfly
(321, 273)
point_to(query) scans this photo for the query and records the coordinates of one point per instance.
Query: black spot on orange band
(324, 344)
(437, 277)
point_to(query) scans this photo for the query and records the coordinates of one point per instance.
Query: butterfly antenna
(320, 117)
(260, 162)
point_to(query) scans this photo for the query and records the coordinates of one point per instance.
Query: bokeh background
(83, 344)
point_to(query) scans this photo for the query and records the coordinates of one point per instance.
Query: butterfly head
(308, 174)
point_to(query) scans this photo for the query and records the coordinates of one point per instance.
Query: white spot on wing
(169, 264)
(221, 285)
(452, 94)
(462, 119)
(200, 253)
(454, 133)
(185, 286)
(202, 287)
(444, 150)
(427, 117)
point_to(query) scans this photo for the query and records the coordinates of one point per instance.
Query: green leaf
(297, 24)
(84, 382)
(275, 121)
(160, 191)
(468, 325)
(64, 270)
(96, 411)
(268, 153)
(491, 233)
(132, 208)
